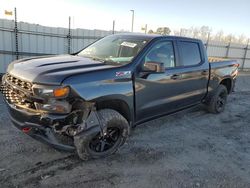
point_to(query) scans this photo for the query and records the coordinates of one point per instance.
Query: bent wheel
(100, 143)
(91, 144)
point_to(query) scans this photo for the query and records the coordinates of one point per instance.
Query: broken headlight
(54, 106)
(54, 98)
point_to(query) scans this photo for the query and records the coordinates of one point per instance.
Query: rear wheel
(92, 144)
(217, 101)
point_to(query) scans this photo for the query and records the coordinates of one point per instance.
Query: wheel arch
(120, 106)
(227, 82)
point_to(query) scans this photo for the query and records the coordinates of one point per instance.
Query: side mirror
(151, 66)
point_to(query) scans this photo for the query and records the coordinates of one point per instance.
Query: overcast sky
(231, 16)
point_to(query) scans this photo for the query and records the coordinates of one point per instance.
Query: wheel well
(227, 83)
(118, 105)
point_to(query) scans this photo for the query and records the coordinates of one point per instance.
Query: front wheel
(92, 144)
(217, 101)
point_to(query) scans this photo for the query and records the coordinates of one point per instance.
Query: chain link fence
(22, 40)
(19, 40)
(239, 52)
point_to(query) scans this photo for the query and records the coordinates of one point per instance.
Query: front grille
(27, 86)
(16, 92)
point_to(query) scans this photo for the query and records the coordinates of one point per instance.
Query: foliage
(161, 31)
(204, 33)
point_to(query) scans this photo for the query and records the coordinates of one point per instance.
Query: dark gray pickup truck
(87, 102)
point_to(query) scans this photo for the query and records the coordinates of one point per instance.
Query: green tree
(150, 31)
(163, 30)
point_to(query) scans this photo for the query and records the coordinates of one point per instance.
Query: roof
(153, 36)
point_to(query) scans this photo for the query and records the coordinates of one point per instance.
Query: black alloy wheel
(103, 143)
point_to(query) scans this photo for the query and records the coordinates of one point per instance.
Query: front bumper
(30, 121)
(39, 127)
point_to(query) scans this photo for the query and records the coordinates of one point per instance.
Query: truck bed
(222, 69)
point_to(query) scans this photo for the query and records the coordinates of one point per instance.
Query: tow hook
(26, 129)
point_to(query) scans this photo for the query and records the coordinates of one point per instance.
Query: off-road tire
(217, 100)
(113, 119)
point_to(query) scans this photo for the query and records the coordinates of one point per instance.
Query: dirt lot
(189, 149)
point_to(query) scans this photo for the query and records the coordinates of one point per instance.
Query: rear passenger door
(193, 70)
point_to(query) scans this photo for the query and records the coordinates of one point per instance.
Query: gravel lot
(188, 149)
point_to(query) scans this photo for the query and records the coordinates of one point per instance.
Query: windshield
(115, 49)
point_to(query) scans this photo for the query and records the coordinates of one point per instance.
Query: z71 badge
(123, 73)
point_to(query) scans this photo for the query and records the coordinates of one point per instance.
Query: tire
(217, 100)
(89, 145)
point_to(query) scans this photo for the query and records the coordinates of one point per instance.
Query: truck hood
(53, 69)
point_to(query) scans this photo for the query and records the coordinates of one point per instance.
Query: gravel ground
(188, 149)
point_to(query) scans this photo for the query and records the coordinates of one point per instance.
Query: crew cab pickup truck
(88, 102)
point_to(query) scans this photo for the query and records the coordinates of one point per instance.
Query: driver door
(157, 93)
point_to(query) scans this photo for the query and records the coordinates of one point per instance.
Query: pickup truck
(88, 102)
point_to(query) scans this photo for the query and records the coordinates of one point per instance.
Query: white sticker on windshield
(128, 44)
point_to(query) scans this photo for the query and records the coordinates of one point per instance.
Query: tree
(176, 32)
(230, 38)
(163, 31)
(196, 32)
(204, 32)
(219, 36)
(242, 39)
(150, 31)
(184, 32)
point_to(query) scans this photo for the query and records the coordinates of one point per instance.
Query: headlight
(54, 106)
(54, 98)
(51, 91)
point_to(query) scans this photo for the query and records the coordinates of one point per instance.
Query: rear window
(190, 53)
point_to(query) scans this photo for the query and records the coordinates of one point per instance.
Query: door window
(162, 52)
(190, 53)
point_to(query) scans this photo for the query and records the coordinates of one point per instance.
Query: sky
(231, 16)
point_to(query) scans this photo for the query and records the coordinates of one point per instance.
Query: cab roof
(154, 36)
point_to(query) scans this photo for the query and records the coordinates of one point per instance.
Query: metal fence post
(113, 29)
(245, 55)
(16, 35)
(208, 38)
(69, 37)
(228, 48)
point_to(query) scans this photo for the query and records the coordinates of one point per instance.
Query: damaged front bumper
(57, 130)
(42, 126)
(38, 128)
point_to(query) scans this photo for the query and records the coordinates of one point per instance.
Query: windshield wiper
(95, 58)
(111, 63)
(107, 62)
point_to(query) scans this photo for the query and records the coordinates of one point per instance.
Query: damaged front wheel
(93, 144)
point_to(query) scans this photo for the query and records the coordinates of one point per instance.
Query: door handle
(175, 77)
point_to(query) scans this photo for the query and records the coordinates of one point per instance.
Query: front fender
(102, 90)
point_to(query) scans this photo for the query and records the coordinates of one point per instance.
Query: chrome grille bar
(18, 82)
